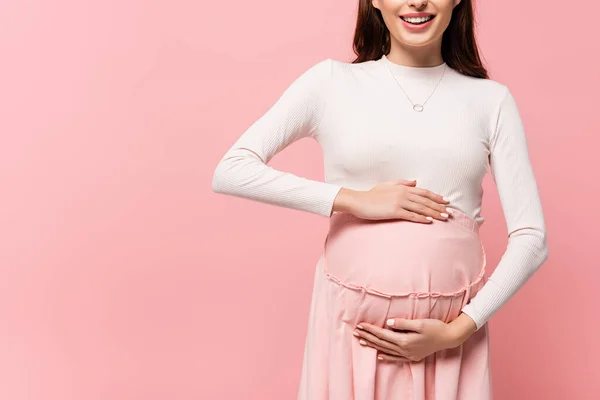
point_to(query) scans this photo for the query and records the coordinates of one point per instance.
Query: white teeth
(417, 20)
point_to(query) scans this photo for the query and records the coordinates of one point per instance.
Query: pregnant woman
(408, 131)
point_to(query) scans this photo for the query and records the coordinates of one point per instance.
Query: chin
(411, 39)
(415, 43)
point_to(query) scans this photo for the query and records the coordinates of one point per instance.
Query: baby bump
(397, 257)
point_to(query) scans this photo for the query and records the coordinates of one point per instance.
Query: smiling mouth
(417, 20)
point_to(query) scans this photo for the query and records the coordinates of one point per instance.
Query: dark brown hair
(459, 48)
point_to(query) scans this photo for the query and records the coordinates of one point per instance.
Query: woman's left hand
(416, 338)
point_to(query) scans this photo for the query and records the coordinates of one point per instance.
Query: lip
(417, 14)
(417, 28)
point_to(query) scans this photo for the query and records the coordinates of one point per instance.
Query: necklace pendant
(418, 107)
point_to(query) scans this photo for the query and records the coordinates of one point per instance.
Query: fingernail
(355, 333)
(390, 322)
(359, 327)
(444, 215)
(449, 210)
(429, 218)
(445, 199)
(380, 358)
(361, 341)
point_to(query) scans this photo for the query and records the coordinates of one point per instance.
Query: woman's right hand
(399, 199)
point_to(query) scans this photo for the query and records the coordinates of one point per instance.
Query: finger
(425, 210)
(436, 208)
(366, 338)
(429, 194)
(368, 343)
(380, 333)
(389, 357)
(413, 216)
(397, 182)
(405, 182)
(414, 325)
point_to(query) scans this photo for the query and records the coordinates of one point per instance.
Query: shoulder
(496, 95)
(490, 99)
(347, 69)
(330, 69)
(316, 73)
(313, 80)
(327, 73)
(487, 95)
(483, 88)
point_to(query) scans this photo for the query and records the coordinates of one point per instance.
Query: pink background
(125, 277)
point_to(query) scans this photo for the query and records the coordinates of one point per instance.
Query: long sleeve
(243, 170)
(514, 178)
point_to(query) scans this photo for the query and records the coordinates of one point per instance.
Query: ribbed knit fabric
(369, 133)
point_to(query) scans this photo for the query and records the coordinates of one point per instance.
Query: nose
(417, 3)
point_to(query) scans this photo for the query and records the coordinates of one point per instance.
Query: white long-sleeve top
(369, 133)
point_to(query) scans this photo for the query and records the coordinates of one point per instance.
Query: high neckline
(411, 71)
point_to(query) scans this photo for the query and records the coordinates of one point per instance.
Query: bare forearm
(461, 329)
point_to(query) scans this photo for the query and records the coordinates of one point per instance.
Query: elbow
(534, 242)
(540, 247)
(234, 171)
(220, 179)
(544, 247)
(216, 184)
(540, 244)
(217, 181)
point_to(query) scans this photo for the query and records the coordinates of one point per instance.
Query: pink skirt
(370, 271)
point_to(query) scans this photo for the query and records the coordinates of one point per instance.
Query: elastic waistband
(457, 217)
(464, 220)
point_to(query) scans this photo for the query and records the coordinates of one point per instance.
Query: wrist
(461, 328)
(347, 200)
